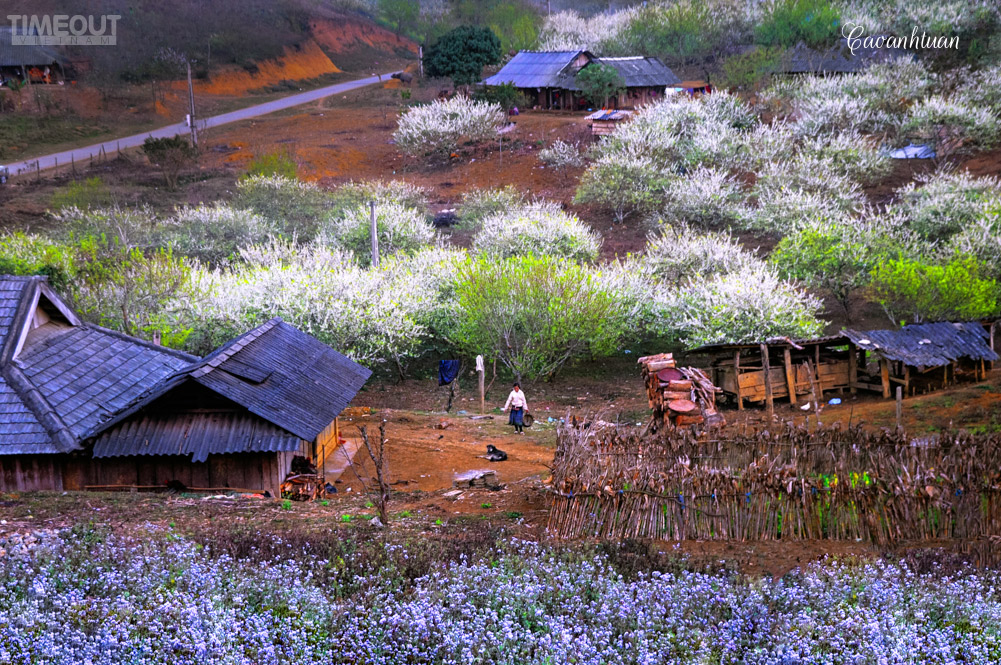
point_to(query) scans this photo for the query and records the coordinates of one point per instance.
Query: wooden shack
(918, 357)
(778, 368)
(82, 407)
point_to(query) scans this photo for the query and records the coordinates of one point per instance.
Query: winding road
(85, 153)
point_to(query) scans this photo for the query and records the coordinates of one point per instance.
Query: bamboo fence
(788, 484)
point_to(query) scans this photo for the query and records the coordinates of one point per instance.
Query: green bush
(534, 314)
(462, 53)
(295, 207)
(921, 291)
(752, 68)
(89, 193)
(788, 22)
(273, 164)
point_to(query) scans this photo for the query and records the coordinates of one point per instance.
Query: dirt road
(87, 152)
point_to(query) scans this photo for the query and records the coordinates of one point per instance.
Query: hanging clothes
(448, 370)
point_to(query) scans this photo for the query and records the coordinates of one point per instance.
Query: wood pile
(682, 396)
(486, 478)
(787, 484)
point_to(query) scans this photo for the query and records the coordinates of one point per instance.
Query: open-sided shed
(917, 357)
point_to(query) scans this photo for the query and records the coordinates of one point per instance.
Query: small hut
(548, 78)
(604, 122)
(83, 407)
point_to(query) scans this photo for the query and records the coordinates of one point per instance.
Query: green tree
(600, 82)
(462, 53)
(838, 259)
(534, 314)
(749, 69)
(400, 13)
(787, 22)
(171, 155)
(920, 291)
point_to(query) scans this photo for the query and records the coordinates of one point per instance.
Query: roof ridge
(141, 342)
(61, 436)
(233, 348)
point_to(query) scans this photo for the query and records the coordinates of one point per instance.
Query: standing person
(518, 405)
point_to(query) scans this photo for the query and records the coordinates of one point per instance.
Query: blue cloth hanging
(448, 370)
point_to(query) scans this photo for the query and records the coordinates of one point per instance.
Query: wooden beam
(769, 398)
(790, 375)
(907, 378)
(884, 372)
(736, 379)
(852, 367)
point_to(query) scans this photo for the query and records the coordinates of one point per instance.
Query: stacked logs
(682, 396)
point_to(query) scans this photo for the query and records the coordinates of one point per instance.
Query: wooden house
(548, 78)
(83, 407)
(918, 357)
(27, 62)
(836, 59)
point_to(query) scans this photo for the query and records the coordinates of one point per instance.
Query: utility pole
(375, 235)
(191, 108)
(420, 60)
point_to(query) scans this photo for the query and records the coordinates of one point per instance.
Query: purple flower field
(161, 598)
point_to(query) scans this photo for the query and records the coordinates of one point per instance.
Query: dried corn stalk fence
(789, 484)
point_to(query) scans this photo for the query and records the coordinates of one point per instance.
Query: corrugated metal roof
(27, 55)
(642, 72)
(534, 69)
(610, 115)
(927, 344)
(554, 69)
(195, 433)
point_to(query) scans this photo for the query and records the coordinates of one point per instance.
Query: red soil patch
(346, 35)
(307, 62)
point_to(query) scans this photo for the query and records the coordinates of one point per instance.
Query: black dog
(495, 454)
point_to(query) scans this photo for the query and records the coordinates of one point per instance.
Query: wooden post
(191, 107)
(790, 375)
(814, 390)
(852, 368)
(769, 398)
(900, 406)
(375, 235)
(907, 377)
(420, 60)
(736, 379)
(884, 371)
(482, 371)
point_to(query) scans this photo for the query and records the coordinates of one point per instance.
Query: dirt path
(88, 152)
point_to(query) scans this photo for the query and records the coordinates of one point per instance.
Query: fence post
(900, 407)
(375, 236)
(768, 380)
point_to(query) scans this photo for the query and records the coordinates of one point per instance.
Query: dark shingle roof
(78, 381)
(801, 59)
(927, 344)
(26, 55)
(534, 69)
(11, 290)
(194, 433)
(20, 431)
(275, 371)
(641, 72)
(87, 373)
(284, 375)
